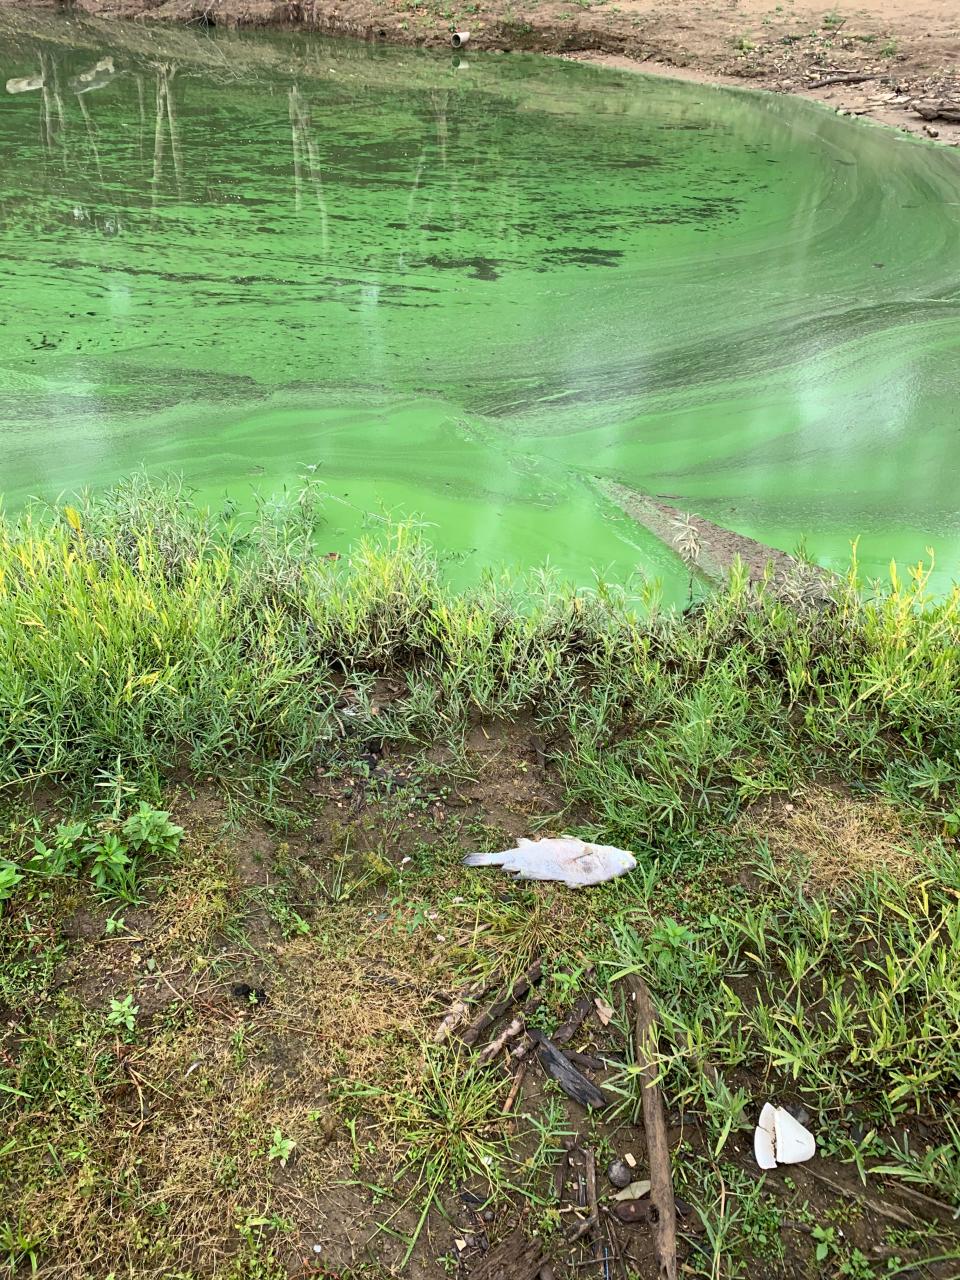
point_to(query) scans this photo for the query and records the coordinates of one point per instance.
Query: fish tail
(483, 860)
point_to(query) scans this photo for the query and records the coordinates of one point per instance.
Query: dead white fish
(571, 861)
(25, 84)
(780, 1139)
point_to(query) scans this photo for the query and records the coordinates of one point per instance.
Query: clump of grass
(447, 1123)
(139, 634)
(848, 1000)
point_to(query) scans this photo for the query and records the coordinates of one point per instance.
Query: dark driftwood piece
(573, 1024)
(587, 1060)
(516, 1258)
(655, 1127)
(559, 1067)
(517, 992)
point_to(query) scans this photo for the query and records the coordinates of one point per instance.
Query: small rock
(619, 1173)
(931, 133)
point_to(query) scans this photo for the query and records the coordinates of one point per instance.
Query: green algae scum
(476, 293)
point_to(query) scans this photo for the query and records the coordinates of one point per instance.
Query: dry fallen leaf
(604, 1012)
(635, 1191)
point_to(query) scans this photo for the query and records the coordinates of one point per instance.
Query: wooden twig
(510, 1032)
(829, 80)
(582, 1229)
(560, 1177)
(611, 1233)
(454, 1016)
(457, 1012)
(516, 993)
(587, 1060)
(515, 1088)
(655, 1128)
(905, 1218)
(573, 1024)
(936, 1210)
(523, 1048)
(590, 1172)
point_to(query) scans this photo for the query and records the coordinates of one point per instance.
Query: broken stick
(590, 1170)
(516, 994)
(515, 1088)
(655, 1127)
(573, 1024)
(510, 1032)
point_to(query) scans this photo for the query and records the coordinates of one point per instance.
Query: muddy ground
(894, 61)
(289, 986)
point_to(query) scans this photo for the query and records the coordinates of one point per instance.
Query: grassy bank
(238, 781)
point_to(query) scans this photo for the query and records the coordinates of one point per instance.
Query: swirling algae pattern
(477, 293)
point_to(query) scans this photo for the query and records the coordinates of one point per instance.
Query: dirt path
(896, 61)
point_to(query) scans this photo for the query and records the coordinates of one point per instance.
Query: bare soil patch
(283, 1102)
(828, 837)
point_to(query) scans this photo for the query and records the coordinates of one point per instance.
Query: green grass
(788, 777)
(140, 634)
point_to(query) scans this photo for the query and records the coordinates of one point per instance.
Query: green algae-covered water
(470, 292)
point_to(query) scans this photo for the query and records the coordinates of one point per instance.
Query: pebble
(619, 1173)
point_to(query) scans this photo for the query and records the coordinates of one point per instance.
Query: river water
(474, 293)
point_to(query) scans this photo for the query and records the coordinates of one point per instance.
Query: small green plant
(10, 877)
(888, 49)
(281, 1148)
(123, 1014)
(826, 1242)
(150, 830)
(64, 853)
(18, 1245)
(112, 869)
(113, 925)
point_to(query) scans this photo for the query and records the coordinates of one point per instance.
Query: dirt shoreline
(896, 62)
